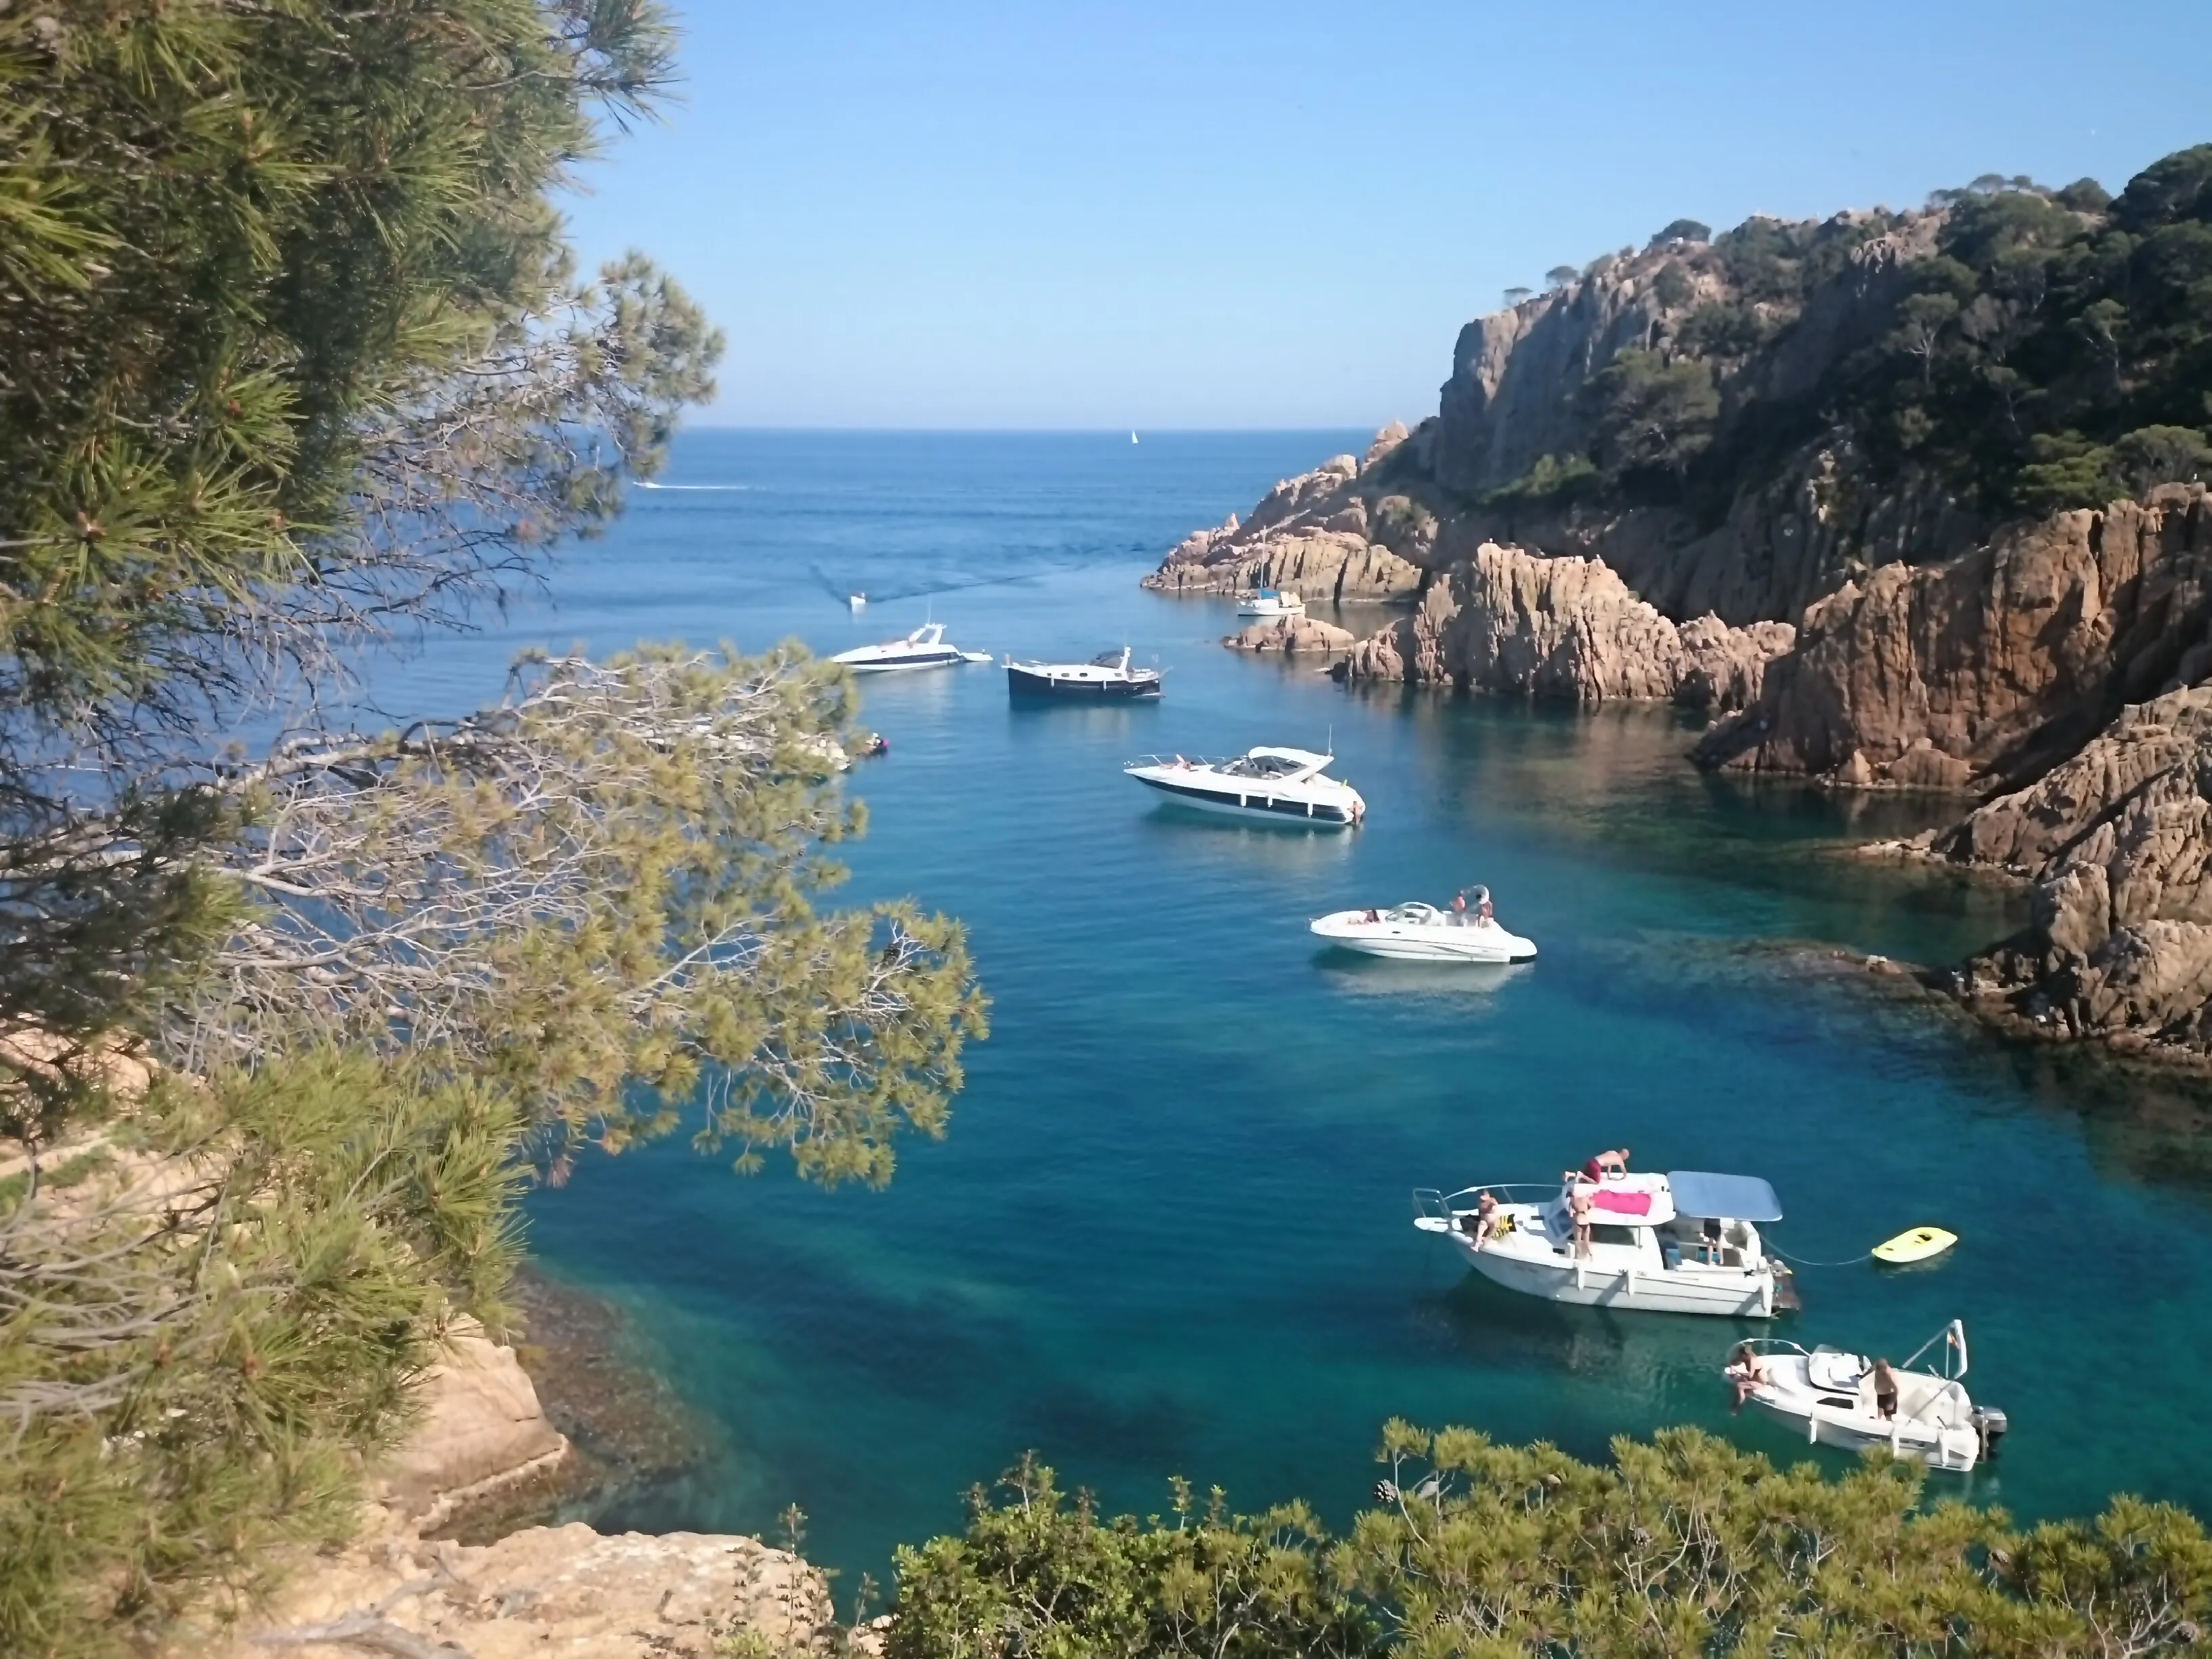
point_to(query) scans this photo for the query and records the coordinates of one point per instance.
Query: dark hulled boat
(1105, 678)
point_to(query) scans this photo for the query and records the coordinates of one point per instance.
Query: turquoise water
(1168, 1232)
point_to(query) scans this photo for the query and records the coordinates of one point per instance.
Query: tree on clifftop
(292, 359)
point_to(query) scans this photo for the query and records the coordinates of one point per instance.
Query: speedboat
(1104, 676)
(1271, 602)
(1414, 932)
(1280, 784)
(1685, 1241)
(1828, 1395)
(923, 648)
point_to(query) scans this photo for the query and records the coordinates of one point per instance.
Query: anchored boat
(1685, 1241)
(1414, 932)
(1107, 678)
(1287, 786)
(925, 648)
(1831, 1397)
(1271, 602)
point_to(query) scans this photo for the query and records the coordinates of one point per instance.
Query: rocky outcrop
(481, 1430)
(1293, 636)
(1509, 620)
(2116, 841)
(546, 1591)
(1319, 535)
(540, 1590)
(1984, 671)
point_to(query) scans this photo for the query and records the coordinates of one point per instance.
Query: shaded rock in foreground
(2116, 841)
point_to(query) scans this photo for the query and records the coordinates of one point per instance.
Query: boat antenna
(1332, 739)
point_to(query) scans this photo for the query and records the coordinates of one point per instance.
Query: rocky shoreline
(457, 1553)
(1857, 626)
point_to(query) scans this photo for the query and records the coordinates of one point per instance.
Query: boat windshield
(1109, 660)
(1261, 766)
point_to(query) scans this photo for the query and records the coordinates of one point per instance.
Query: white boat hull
(1954, 1448)
(1417, 942)
(1746, 1296)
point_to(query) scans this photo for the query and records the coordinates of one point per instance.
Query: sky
(1215, 214)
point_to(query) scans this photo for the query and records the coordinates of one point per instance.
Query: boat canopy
(1739, 1198)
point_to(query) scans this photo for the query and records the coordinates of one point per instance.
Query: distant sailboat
(1132, 437)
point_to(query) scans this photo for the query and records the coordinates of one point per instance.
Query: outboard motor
(1988, 1422)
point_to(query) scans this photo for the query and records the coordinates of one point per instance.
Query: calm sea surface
(1168, 1232)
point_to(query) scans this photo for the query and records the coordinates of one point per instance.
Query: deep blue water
(1168, 1232)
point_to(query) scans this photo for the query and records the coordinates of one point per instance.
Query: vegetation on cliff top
(2053, 349)
(292, 359)
(1681, 1545)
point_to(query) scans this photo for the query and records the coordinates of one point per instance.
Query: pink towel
(1623, 1203)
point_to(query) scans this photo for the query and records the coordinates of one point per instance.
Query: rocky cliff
(1908, 500)
(1982, 671)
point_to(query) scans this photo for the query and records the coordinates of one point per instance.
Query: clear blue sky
(1177, 213)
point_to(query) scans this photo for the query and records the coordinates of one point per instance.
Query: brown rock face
(482, 1428)
(1988, 669)
(1509, 620)
(2118, 842)
(1321, 534)
(1293, 636)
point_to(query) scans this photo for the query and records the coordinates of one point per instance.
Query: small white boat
(1284, 785)
(1685, 1241)
(1104, 679)
(1828, 1395)
(923, 648)
(1414, 932)
(857, 601)
(1132, 437)
(1270, 602)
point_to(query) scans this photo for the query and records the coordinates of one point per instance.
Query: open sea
(1169, 1230)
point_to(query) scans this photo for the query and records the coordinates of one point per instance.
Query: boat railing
(1186, 760)
(1953, 1336)
(1441, 1206)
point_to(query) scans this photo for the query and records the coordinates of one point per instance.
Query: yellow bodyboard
(1915, 1244)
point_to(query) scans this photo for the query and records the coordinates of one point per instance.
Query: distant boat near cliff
(1132, 437)
(1105, 679)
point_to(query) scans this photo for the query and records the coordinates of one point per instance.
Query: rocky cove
(1744, 540)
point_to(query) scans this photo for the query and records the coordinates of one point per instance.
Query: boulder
(1293, 636)
(481, 1428)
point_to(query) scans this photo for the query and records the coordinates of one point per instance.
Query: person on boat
(1612, 1164)
(1486, 1217)
(1459, 909)
(1373, 914)
(1747, 1371)
(1581, 1202)
(1885, 1390)
(1484, 916)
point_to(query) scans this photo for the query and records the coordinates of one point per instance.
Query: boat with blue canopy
(1685, 1241)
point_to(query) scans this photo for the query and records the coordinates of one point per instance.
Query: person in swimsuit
(1459, 909)
(1483, 914)
(1486, 1217)
(1611, 1164)
(1747, 1371)
(1579, 1205)
(1885, 1390)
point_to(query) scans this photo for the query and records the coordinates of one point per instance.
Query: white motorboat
(1828, 1395)
(923, 648)
(1284, 785)
(1271, 602)
(1685, 1241)
(1104, 679)
(1413, 932)
(856, 601)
